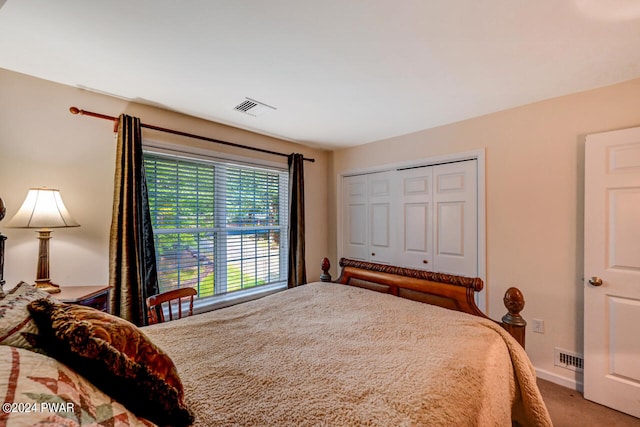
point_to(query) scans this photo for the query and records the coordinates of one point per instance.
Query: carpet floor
(568, 408)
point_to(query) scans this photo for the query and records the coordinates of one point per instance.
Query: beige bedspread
(329, 354)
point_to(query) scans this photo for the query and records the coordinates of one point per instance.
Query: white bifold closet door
(421, 217)
(369, 217)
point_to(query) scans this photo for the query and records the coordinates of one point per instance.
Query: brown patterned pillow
(115, 356)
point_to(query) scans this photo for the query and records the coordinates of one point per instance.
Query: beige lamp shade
(43, 208)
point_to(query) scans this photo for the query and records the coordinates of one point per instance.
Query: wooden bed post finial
(326, 265)
(513, 321)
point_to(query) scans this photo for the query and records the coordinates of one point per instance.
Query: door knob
(595, 281)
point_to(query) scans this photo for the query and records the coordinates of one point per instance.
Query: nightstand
(96, 296)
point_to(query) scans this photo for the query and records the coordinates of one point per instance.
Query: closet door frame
(479, 156)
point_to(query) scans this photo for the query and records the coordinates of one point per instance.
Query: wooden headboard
(444, 290)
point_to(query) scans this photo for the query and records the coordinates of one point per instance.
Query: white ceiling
(339, 72)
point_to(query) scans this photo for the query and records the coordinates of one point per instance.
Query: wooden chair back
(173, 297)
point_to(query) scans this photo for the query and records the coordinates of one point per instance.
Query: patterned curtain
(297, 268)
(132, 258)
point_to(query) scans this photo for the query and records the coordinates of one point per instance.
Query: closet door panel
(421, 217)
(382, 217)
(415, 207)
(455, 199)
(357, 232)
(355, 241)
(451, 229)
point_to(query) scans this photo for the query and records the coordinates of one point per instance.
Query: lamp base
(47, 286)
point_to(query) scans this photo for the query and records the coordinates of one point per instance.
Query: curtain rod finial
(75, 110)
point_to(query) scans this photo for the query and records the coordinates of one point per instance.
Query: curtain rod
(75, 110)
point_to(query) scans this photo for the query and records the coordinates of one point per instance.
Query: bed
(379, 346)
(330, 354)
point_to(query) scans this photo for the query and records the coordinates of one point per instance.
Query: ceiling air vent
(253, 108)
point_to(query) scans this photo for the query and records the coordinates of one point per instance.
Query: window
(218, 227)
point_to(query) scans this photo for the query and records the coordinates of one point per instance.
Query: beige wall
(534, 186)
(534, 198)
(42, 144)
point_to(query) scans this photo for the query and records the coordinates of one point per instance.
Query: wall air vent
(569, 360)
(253, 108)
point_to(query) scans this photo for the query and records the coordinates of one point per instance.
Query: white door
(382, 217)
(456, 218)
(416, 218)
(355, 217)
(612, 270)
(369, 219)
(438, 219)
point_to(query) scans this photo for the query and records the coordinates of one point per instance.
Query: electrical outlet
(538, 326)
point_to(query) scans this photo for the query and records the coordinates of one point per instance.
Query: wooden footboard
(444, 290)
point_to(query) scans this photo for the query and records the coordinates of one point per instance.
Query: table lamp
(43, 209)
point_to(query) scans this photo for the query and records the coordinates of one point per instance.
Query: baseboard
(557, 379)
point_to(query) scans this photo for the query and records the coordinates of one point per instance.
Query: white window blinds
(218, 227)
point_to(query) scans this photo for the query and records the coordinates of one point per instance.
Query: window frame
(223, 161)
